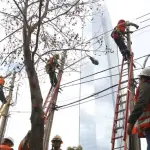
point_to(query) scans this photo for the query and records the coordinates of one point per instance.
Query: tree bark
(37, 122)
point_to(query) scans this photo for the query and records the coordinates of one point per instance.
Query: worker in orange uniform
(2, 96)
(139, 120)
(118, 35)
(56, 142)
(51, 66)
(7, 144)
(24, 144)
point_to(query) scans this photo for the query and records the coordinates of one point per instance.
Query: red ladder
(119, 130)
(50, 99)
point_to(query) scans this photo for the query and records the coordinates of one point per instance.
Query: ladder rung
(119, 147)
(119, 128)
(122, 102)
(118, 137)
(119, 96)
(120, 111)
(119, 119)
(122, 88)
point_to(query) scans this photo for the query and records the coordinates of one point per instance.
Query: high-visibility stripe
(137, 130)
(4, 147)
(145, 115)
(144, 120)
(2, 81)
(144, 123)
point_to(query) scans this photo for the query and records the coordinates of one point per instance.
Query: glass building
(96, 116)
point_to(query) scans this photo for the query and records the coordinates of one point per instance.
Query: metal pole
(49, 122)
(6, 111)
(134, 141)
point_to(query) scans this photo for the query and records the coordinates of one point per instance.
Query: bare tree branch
(61, 13)
(33, 3)
(21, 12)
(38, 31)
(42, 17)
(10, 54)
(5, 13)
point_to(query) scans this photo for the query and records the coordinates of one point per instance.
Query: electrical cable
(90, 100)
(68, 105)
(100, 71)
(98, 79)
(91, 95)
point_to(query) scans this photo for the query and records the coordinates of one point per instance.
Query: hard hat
(121, 21)
(57, 56)
(8, 139)
(57, 138)
(145, 72)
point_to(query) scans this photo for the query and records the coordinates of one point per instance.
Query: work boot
(125, 58)
(128, 54)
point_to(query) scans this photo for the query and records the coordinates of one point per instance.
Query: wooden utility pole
(49, 122)
(6, 111)
(134, 141)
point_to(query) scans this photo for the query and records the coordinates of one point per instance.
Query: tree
(35, 29)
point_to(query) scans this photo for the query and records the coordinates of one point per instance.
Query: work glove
(137, 27)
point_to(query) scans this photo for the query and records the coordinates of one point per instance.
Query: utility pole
(49, 122)
(134, 141)
(6, 111)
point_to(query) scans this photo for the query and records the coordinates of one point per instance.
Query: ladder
(49, 103)
(119, 137)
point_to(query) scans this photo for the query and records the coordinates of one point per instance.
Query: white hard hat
(145, 72)
(57, 138)
(9, 139)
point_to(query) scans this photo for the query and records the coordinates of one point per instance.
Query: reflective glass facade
(96, 116)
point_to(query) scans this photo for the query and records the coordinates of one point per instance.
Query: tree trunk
(37, 122)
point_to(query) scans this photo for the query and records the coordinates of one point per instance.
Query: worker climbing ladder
(120, 140)
(50, 103)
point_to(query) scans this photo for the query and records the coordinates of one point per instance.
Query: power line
(90, 100)
(68, 105)
(142, 16)
(100, 71)
(98, 79)
(142, 28)
(91, 95)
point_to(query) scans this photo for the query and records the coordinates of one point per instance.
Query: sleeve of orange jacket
(142, 102)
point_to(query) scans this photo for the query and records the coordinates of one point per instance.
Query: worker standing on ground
(51, 66)
(118, 34)
(24, 144)
(140, 116)
(7, 143)
(56, 142)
